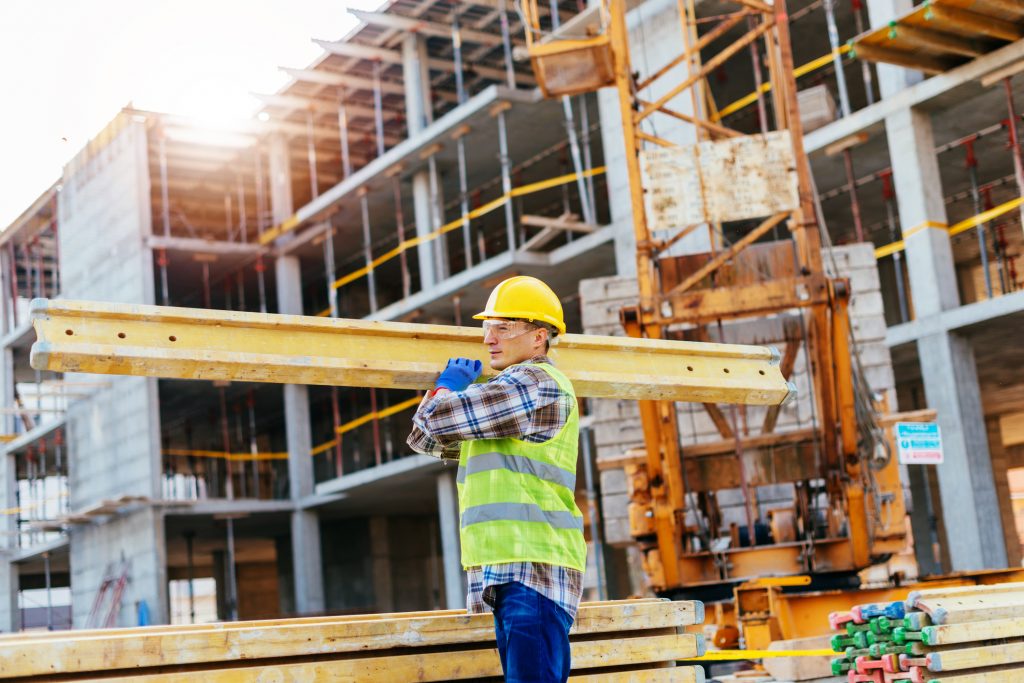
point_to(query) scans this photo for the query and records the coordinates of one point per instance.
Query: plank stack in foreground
(637, 641)
(962, 634)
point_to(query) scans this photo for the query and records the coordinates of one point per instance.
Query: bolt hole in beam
(291, 349)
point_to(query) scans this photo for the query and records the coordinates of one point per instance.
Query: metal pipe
(243, 226)
(971, 162)
(314, 185)
(1018, 162)
(467, 237)
(588, 161)
(346, 159)
(577, 161)
(49, 597)
(260, 208)
(165, 214)
(403, 258)
(858, 227)
(889, 195)
(378, 108)
(336, 418)
(190, 568)
(865, 68)
(506, 42)
(593, 513)
(998, 248)
(254, 449)
(371, 282)
(329, 266)
(228, 227)
(375, 424)
(506, 179)
(229, 489)
(460, 86)
(837, 59)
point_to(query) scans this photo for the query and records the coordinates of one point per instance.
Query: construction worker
(516, 439)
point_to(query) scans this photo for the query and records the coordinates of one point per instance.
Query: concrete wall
(97, 549)
(113, 435)
(617, 422)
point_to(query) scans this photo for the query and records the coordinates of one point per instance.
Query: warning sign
(919, 443)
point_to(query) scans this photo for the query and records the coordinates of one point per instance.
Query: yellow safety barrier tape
(31, 506)
(955, 229)
(455, 224)
(397, 408)
(181, 452)
(799, 71)
(725, 655)
(359, 421)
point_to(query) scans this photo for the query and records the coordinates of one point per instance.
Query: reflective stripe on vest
(520, 464)
(521, 512)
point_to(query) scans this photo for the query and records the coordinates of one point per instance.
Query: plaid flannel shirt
(522, 402)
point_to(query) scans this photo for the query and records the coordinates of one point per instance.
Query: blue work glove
(459, 374)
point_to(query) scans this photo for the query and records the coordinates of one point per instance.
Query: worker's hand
(459, 374)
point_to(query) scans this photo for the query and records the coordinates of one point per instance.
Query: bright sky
(68, 66)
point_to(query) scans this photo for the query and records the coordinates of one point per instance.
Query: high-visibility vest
(517, 500)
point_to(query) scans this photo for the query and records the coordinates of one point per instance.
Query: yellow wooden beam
(146, 650)
(185, 343)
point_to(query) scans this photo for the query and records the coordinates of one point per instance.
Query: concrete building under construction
(398, 177)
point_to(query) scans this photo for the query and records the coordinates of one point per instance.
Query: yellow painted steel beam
(185, 343)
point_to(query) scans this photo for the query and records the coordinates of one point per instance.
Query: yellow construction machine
(847, 509)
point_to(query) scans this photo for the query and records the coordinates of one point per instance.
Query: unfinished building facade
(399, 177)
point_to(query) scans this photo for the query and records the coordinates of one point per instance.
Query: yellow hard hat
(527, 298)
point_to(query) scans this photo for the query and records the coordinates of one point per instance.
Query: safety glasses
(507, 329)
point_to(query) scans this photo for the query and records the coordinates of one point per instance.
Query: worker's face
(512, 341)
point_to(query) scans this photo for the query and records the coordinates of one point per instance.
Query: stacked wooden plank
(636, 641)
(962, 634)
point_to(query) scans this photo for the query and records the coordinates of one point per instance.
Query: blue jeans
(533, 635)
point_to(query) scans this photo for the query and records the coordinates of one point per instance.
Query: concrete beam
(426, 28)
(330, 78)
(918, 95)
(295, 102)
(202, 246)
(345, 48)
(954, 319)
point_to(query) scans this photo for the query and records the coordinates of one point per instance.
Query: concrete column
(970, 509)
(419, 114)
(423, 213)
(969, 506)
(280, 178)
(380, 555)
(305, 524)
(919, 195)
(891, 79)
(10, 621)
(418, 110)
(448, 515)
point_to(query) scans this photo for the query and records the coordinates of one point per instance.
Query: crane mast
(752, 196)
